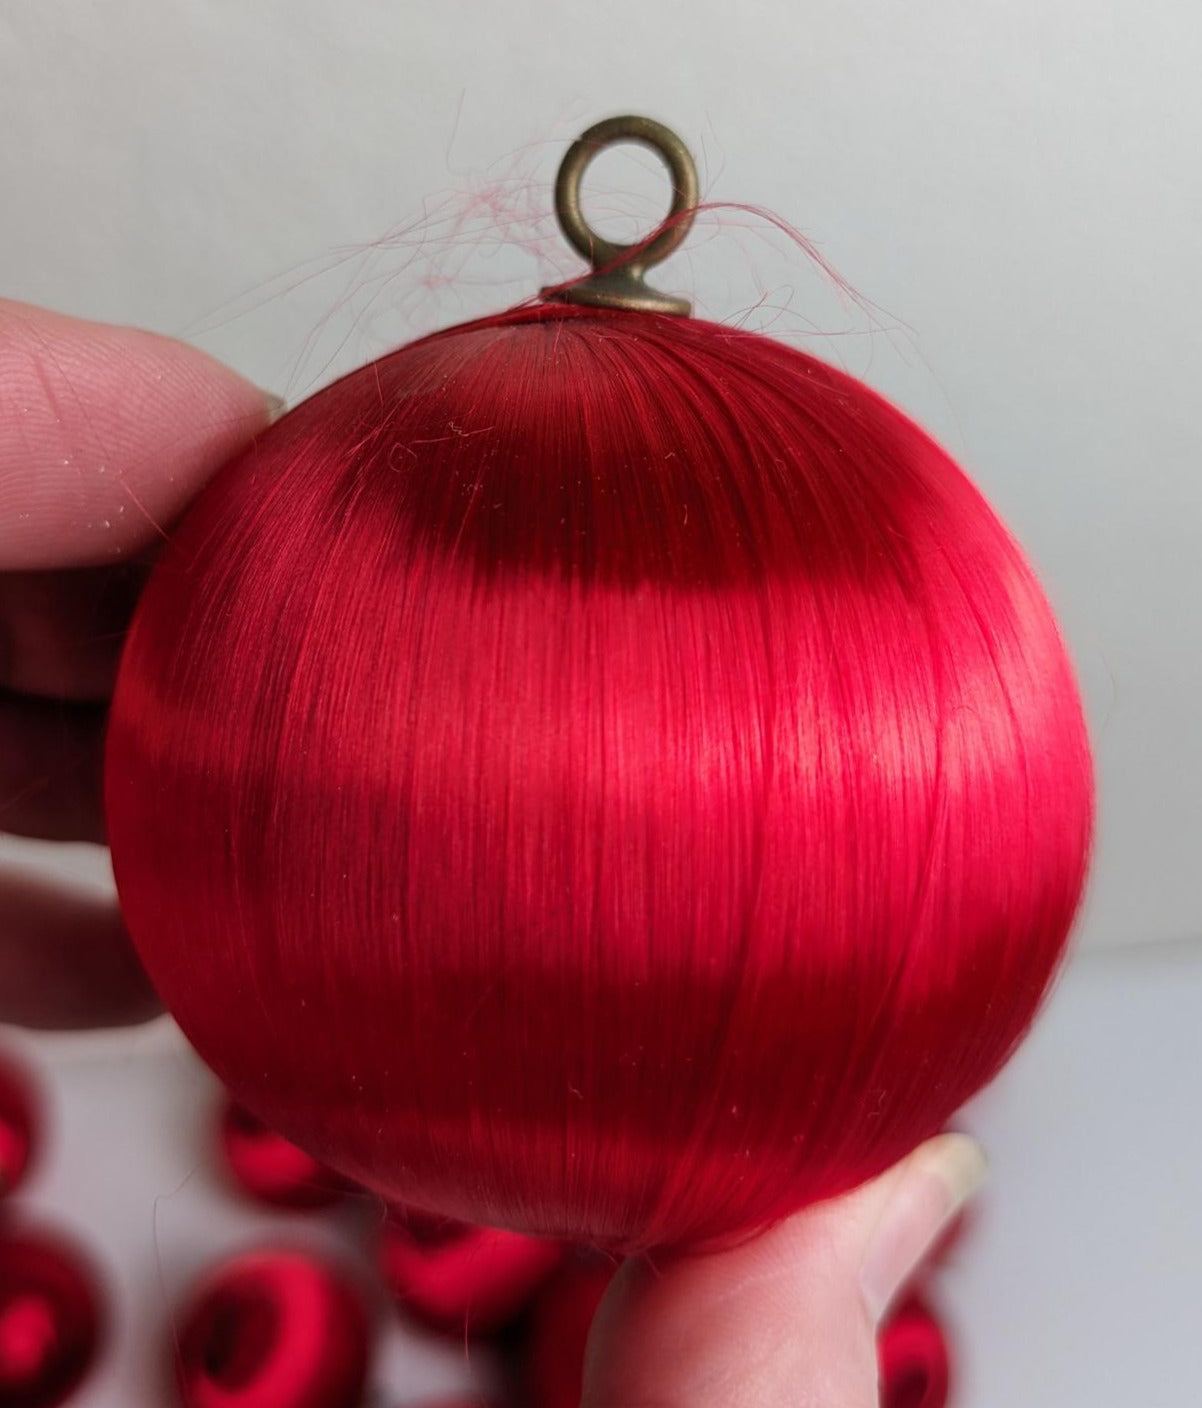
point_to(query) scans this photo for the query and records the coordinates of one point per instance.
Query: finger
(105, 434)
(61, 632)
(51, 765)
(788, 1320)
(66, 961)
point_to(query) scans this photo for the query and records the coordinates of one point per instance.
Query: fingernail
(276, 406)
(933, 1185)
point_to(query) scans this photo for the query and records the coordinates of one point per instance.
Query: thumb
(787, 1320)
(106, 433)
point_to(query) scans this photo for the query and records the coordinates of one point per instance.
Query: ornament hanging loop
(618, 278)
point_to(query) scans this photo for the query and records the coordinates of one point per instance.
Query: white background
(1013, 189)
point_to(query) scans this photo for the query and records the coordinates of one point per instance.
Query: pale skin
(105, 435)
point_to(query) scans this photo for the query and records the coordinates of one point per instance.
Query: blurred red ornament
(462, 1279)
(50, 1320)
(18, 1124)
(552, 1368)
(273, 1329)
(272, 1170)
(912, 1353)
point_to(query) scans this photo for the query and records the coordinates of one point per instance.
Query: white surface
(1079, 1285)
(1013, 182)
(131, 1172)
(1075, 1287)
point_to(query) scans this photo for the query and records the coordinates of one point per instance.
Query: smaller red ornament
(273, 1329)
(50, 1320)
(460, 1279)
(270, 1169)
(18, 1125)
(913, 1356)
(552, 1358)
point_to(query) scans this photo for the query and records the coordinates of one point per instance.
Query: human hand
(106, 433)
(789, 1319)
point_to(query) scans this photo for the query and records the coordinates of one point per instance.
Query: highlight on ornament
(599, 773)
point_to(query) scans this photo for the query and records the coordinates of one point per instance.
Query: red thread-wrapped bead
(50, 1319)
(912, 1354)
(458, 1278)
(270, 1169)
(552, 1368)
(18, 1125)
(273, 1329)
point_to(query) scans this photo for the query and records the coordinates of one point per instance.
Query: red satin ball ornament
(270, 1168)
(18, 1125)
(272, 1329)
(460, 1279)
(599, 773)
(50, 1319)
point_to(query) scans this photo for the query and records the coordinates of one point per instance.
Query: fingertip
(106, 433)
(770, 1324)
(789, 1316)
(929, 1190)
